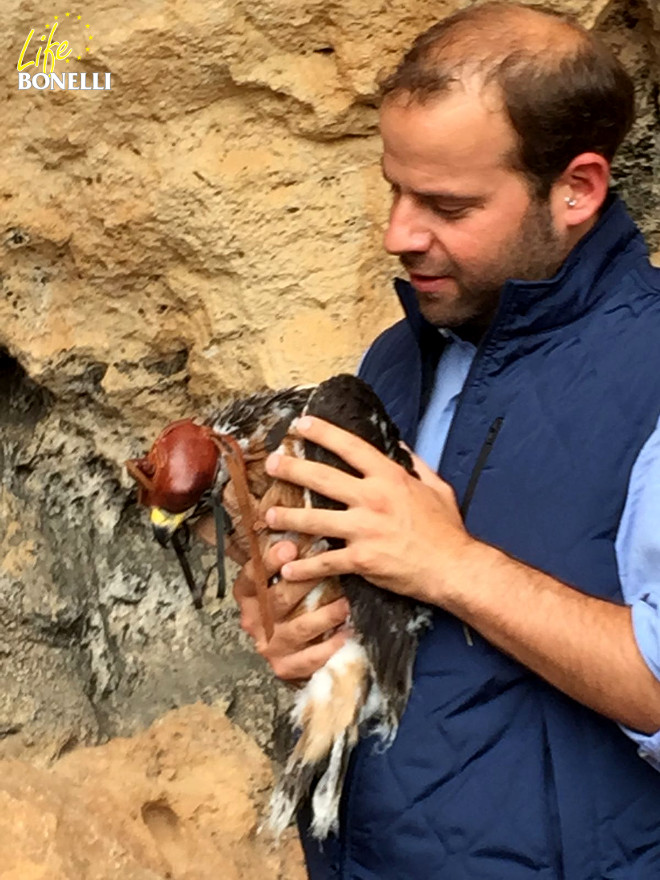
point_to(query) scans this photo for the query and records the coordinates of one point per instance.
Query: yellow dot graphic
(79, 17)
(43, 38)
(87, 49)
(78, 57)
(67, 60)
(47, 26)
(91, 36)
(55, 17)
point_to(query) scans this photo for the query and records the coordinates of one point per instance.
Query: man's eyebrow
(448, 198)
(438, 195)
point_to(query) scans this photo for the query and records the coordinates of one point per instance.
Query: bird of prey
(363, 689)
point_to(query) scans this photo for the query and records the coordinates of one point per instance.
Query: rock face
(208, 226)
(182, 801)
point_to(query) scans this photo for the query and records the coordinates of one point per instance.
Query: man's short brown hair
(564, 91)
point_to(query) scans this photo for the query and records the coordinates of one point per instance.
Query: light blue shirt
(638, 539)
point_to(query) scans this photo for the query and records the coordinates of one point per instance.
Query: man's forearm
(582, 645)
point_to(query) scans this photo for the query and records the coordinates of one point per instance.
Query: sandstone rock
(182, 801)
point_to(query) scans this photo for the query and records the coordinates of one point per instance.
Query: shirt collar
(454, 338)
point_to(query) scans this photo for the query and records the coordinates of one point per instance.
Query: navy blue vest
(495, 775)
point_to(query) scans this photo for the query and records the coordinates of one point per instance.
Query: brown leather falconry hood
(179, 467)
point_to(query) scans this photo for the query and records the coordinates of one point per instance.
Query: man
(537, 399)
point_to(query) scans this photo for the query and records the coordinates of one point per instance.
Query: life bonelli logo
(43, 59)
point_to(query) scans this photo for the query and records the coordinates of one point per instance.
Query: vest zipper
(479, 465)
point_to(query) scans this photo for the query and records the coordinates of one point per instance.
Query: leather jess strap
(233, 456)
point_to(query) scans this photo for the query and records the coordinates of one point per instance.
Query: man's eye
(448, 213)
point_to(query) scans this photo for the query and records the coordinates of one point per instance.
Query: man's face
(462, 221)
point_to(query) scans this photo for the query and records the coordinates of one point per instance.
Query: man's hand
(400, 532)
(297, 648)
(407, 535)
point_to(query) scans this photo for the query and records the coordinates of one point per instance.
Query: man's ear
(579, 194)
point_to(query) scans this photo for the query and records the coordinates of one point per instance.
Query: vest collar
(528, 307)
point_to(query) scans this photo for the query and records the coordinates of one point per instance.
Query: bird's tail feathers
(327, 794)
(328, 713)
(289, 793)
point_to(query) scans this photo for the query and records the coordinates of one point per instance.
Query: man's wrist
(458, 571)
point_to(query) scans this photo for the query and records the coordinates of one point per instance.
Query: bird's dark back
(350, 403)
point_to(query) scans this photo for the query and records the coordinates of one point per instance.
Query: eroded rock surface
(182, 801)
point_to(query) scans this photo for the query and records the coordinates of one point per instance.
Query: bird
(218, 463)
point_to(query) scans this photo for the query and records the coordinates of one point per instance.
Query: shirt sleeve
(638, 558)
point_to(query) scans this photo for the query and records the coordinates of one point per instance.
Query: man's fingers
(318, 567)
(296, 635)
(311, 521)
(321, 478)
(285, 596)
(313, 624)
(303, 664)
(274, 558)
(251, 621)
(354, 450)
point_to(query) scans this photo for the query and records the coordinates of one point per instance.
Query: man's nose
(407, 230)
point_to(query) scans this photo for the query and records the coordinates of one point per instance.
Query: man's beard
(534, 253)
